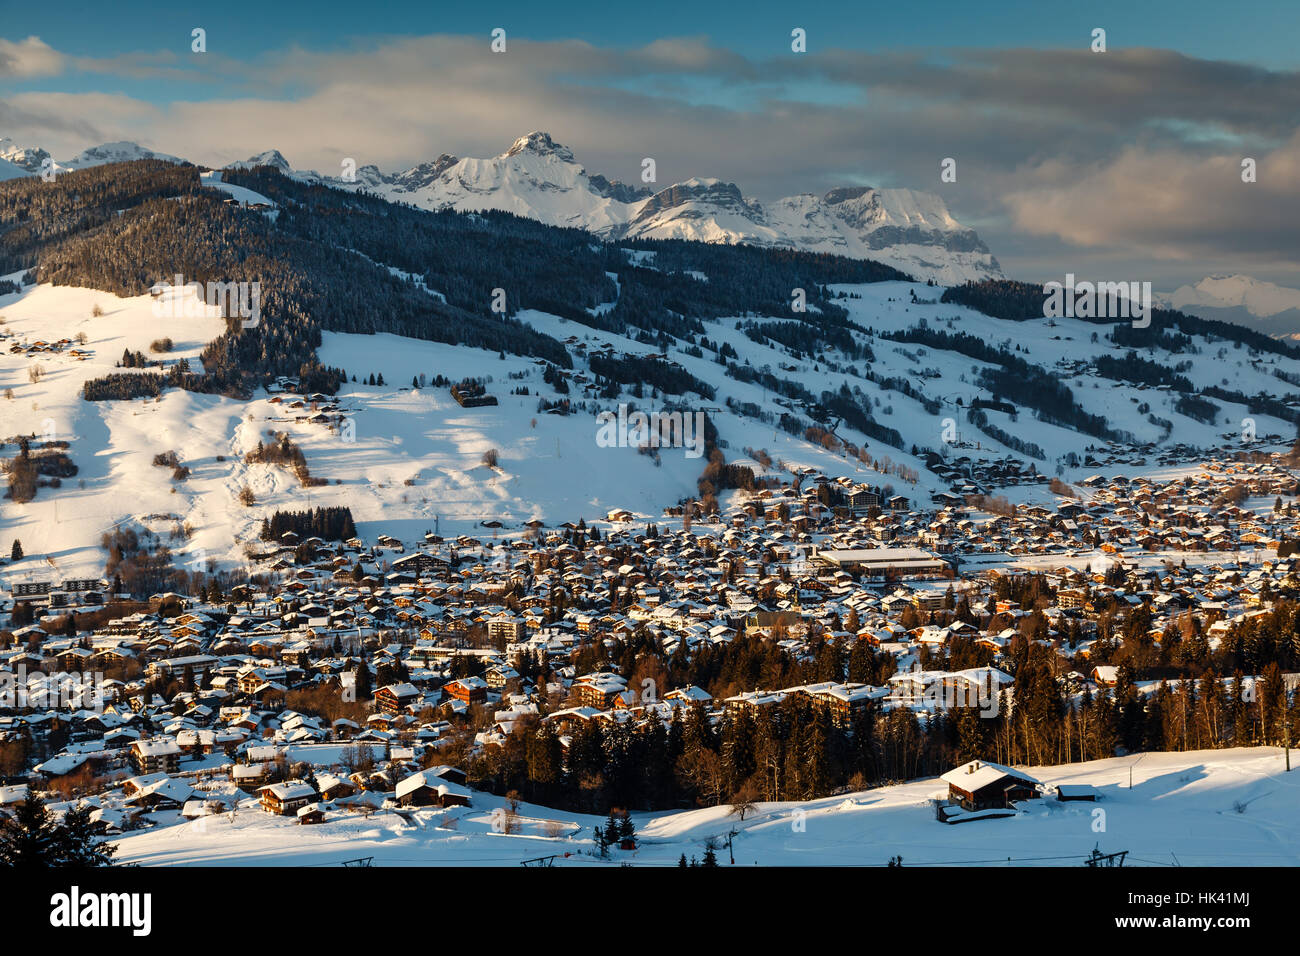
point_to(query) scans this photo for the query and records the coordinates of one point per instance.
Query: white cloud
(29, 58)
(1056, 151)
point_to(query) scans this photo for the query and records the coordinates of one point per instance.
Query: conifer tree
(30, 838)
(362, 684)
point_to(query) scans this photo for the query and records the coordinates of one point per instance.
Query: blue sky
(1068, 160)
(1263, 32)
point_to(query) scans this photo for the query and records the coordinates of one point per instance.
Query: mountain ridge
(540, 178)
(1243, 300)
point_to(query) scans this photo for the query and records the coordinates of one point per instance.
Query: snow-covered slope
(416, 457)
(212, 178)
(10, 170)
(1203, 808)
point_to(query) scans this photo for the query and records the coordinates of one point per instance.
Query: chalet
(395, 698)
(1105, 675)
(979, 785)
(250, 776)
(844, 701)
(332, 787)
(155, 755)
(1070, 599)
(472, 395)
(430, 788)
(286, 798)
(468, 690)
(598, 690)
(166, 793)
(420, 564)
(862, 499)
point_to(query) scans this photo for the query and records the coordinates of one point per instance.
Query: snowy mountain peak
(709, 210)
(542, 144)
(1257, 297)
(710, 190)
(270, 157)
(540, 179)
(30, 159)
(844, 194)
(24, 157)
(119, 152)
(423, 174)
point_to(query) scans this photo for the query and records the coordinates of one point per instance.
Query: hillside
(539, 179)
(876, 380)
(1202, 808)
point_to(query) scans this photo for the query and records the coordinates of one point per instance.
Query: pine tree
(30, 838)
(16, 552)
(77, 843)
(362, 685)
(544, 756)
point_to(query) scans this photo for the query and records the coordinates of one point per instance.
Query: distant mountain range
(540, 179)
(18, 160)
(1270, 308)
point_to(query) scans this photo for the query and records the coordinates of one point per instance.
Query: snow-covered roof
(975, 774)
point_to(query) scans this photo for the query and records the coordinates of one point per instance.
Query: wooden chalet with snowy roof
(980, 785)
(395, 698)
(441, 786)
(286, 798)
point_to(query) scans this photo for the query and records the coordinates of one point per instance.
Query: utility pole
(1130, 770)
(1286, 725)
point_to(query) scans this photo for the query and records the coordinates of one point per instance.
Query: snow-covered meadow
(1202, 808)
